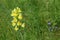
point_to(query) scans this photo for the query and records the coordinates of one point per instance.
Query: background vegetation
(36, 15)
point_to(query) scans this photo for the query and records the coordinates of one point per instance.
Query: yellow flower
(18, 23)
(16, 28)
(18, 9)
(23, 25)
(14, 19)
(14, 11)
(13, 24)
(20, 16)
(14, 14)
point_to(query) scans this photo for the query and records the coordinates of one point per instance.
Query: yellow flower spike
(20, 16)
(18, 9)
(18, 23)
(13, 24)
(14, 19)
(23, 25)
(16, 28)
(16, 14)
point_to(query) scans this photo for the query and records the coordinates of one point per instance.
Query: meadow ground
(42, 19)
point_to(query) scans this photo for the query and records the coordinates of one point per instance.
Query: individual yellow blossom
(20, 16)
(14, 19)
(23, 25)
(18, 9)
(18, 23)
(14, 11)
(13, 23)
(16, 28)
(14, 14)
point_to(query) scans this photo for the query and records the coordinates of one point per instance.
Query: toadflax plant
(17, 17)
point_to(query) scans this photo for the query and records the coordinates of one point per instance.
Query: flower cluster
(17, 17)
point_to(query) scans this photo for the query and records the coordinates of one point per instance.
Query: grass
(36, 15)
